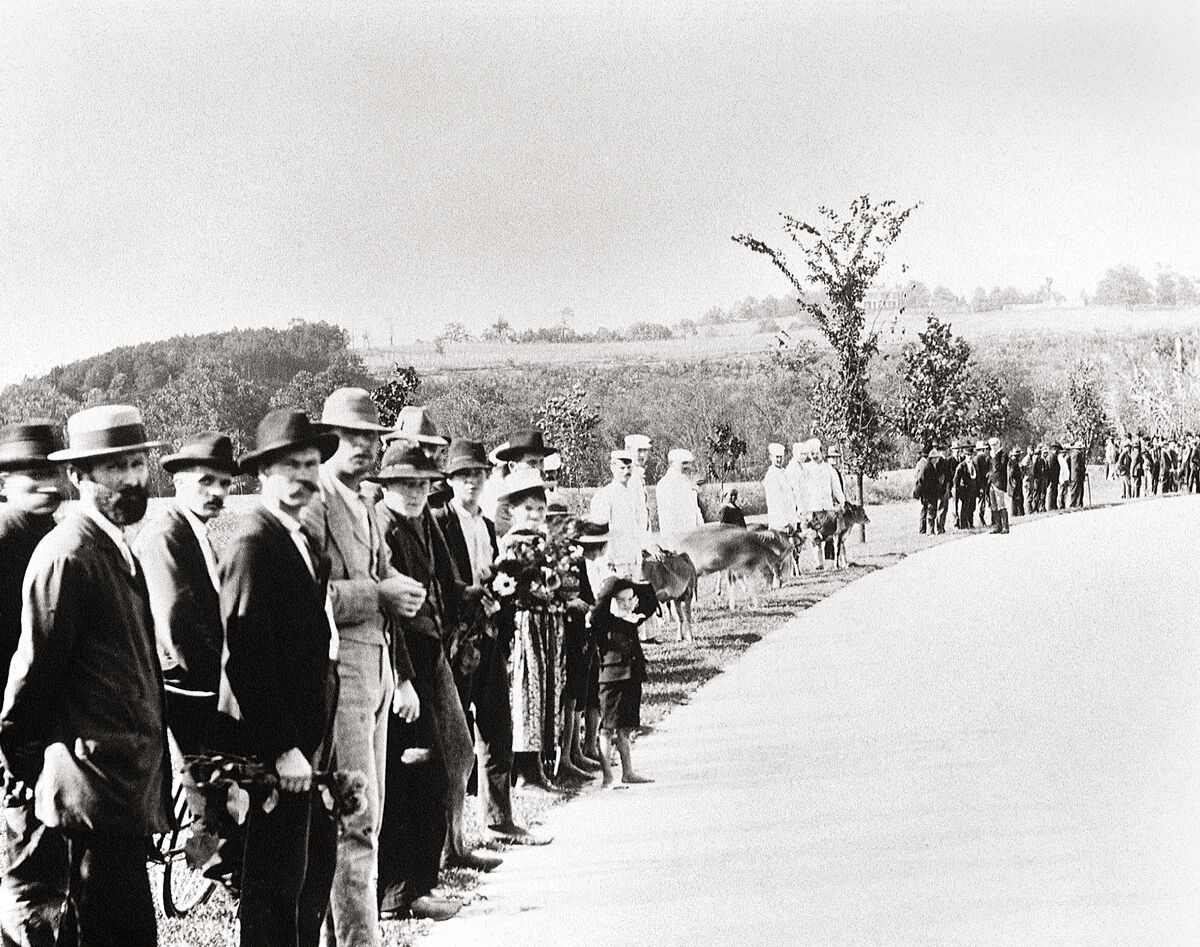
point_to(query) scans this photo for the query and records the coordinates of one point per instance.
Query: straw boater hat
(405, 461)
(208, 449)
(494, 456)
(527, 441)
(27, 446)
(102, 431)
(590, 533)
(466, 455)
(637, 442)
(520, 484)
(286, 429)
(834, 451)
(351, 408)
(415, 423)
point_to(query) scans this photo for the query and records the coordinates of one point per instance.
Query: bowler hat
(466, 455)
(415, 423)
(351, 408)
(27, 446)
(102, 431)
(524, 442)
(208, 449)
(520, 482)
(405, 461)
(286, 429)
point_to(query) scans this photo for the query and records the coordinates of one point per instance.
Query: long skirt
(538, 678)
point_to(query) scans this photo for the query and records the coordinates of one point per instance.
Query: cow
(740, 554)
(833, 524)
(673, 576)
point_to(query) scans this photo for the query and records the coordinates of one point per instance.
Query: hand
(294, 771)
(405, 703)
(402, 594)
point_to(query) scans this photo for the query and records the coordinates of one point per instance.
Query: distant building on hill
(883, 299)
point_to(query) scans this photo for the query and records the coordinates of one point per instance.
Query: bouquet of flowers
(536, 571)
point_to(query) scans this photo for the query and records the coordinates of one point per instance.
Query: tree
(396, 393)
(1087, 420)
(725, 449)
(1166, 290)
(647, 332)
(499, 331)
(916, 296)
(1186, 291)
(841, 258)
(991, 414)
(455, 332)
(570, 424)
(944, 300)
(1123, 286)
(936, 404)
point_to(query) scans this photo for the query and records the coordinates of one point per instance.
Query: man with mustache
(83, 724)
(282, 679)
(368, 597)
(34, 883)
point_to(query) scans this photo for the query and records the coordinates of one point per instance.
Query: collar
(111, 530)
(352, 498)
(457, 505)
(290, 523)
(194, 521)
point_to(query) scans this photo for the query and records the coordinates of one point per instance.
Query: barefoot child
(615, 619)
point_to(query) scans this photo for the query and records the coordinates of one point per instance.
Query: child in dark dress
(615, 620)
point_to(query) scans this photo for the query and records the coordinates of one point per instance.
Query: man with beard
(282, 682)
(366, 594)
(34, 883)
(83, 716)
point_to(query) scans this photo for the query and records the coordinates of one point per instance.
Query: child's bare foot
(570, 771)
(634, 778)
(584, 762)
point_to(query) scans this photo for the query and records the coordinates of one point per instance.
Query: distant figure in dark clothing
(998, 485)
(1078, 473)
(730, 513)
(983, 469)
(928, 488)
(965, 488)
(1053, 463)
(946, 466)
(1015, 488)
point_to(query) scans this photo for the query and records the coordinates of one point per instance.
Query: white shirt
(678, 504)
(782, 511)
(489, 498)
(113, 532)
(355, 501)
(824, 488)
(292, 525)
(200, 528)
(615, 505)
(475, 533)
(641, 507)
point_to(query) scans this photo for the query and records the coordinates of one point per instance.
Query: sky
(191, 167)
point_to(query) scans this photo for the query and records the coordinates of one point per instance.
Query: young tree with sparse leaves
(1087, 420)
(396, 394)
(841, 257)
(725, 449)
(936, 404)
(570, 424)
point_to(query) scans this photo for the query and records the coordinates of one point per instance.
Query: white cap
(812, 445)
(775, 450)
(994, 441)
(816, 444)
(552, 462)
(637, 442)
(797, 448)
(680, 456)
(622, 455)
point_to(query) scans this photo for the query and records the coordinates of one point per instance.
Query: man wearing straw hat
(374, 670)
(83, 723)
(34, 883)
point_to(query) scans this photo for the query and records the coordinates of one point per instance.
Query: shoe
(429, 908)
(476, 861)
(516, 835)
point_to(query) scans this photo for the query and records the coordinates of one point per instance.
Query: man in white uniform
(678, 498)
(781, 499)
(615, 506)
(638, 448)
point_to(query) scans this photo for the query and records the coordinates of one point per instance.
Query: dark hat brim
(324, 441)
(9, 464)
(173, 463)
(510, 454)
(396, 472)
(453, 469)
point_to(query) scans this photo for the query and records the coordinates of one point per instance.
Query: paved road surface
(996, 741)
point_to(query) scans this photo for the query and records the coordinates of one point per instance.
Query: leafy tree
(935, 405)
(916, 296)
(570, 424)
(1087, 420)
(1185, 291)
(842, 257)
(499, 331)
(647, 332)
(308, 390)
(35, 398)
(1123, 286)
(1166, 289)
(725, 449)
(456, 332)
(944, 300)
(396, 393)
(992, 413)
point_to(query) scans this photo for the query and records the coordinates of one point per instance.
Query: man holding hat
(282, 679)
(184, 586)
(678, 498)
(34, 883)
(375, 672)
(82, 727)
(782, 509)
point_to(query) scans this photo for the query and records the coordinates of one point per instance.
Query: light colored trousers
(360, 736)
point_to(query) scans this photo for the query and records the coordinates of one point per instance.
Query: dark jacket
(731, 515)
(998, 471)
(1078, 466)
(451, 526)
(983, 472)
(185, 605)
(928, 480)
(20, 532)
(85, 683)
(965, 479)
(278, 637)
(947, 466)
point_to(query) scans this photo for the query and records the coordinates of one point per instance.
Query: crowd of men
(324, 634)
(1148, 465)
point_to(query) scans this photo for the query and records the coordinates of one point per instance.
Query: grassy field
(726, 344)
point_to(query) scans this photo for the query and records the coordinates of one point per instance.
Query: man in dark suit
(82, 727)
(1078, 473)
(946, 467)
(34, 883)
(282, 683)
(983, 470)
(998, 485)
(184, 585)
(1053, 474)
(928, 488)
(965, 487)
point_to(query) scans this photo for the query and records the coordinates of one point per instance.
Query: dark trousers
(108, 900)
(291, 854)
(929, 513)
(966, 510)
(1018, 498)
(413, 830)
(493, 727)
(1052, 494)
(36, 875)
(1077, 493)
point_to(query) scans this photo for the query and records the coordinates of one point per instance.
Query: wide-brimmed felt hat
(466, 455)
(351, 408)
(405, 461)
(27, 446)
(207, 449)
(287, 429)
(415, 423)
(520, 482)
(520, 443)
(102, 431)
